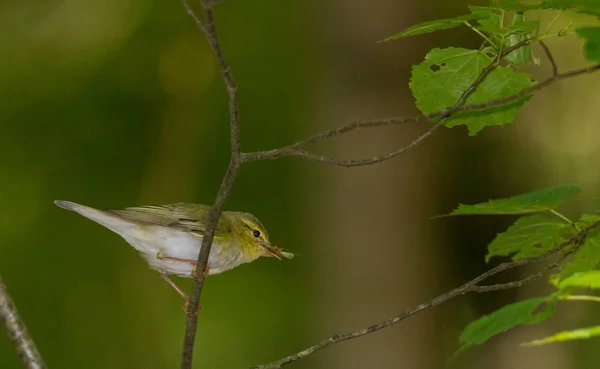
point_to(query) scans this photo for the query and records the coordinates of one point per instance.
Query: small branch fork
(207, 27)
(17, 332)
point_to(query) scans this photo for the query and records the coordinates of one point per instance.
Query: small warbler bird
(169, 237)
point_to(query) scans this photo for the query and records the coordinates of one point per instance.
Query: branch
(193, 305)
(298, 148)
(550, 58)
(471, 286)
(17, 332)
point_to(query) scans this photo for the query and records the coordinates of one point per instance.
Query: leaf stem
(553, 21)
(562, 216)
(479, 33)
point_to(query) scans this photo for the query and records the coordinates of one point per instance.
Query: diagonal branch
(297, 149)
(471, 286)
(17, 332)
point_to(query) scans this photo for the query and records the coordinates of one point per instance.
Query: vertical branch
(209, 30)
(17, 332)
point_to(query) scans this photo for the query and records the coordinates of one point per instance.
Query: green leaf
(577, 334)
(438, 82)
(490, 24)
(435, 25)
(591, 7)
(589, 279)
(529, 236)
(524, 312)
(521, 56)
(586, 257)
(521, 26)
(591, 48)
(531, 202)
(516, 5)
(501, 83)
(587, 220)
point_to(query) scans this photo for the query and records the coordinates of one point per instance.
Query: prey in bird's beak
(275, 251)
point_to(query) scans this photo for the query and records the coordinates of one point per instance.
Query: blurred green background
(119, 103)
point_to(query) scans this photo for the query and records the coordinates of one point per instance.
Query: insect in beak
(274, 251)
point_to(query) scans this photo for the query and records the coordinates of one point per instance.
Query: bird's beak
(274, 251)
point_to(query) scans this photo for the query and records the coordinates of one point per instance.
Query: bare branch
(550, 58)
(193, 305)
(17, 332)
(297, 149)
(471, 286)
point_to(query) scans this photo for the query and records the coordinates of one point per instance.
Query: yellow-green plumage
(169, 237)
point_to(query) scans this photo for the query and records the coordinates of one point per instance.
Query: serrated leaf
(531, 202)
(435, 25)
(591, 48)
(590, 7)
(438, 82)
(589, 279)
(576, 334)
(524, 312)
(490, 24)
(529, 236)
(586, 258)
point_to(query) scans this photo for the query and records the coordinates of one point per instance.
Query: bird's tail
(110, 221)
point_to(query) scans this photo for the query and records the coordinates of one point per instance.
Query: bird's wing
(172, 215)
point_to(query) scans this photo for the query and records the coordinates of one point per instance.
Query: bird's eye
(256, 233)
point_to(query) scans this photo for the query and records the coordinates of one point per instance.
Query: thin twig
(228, 180)
(297, 148)
(471, 286)
(550, 58)
(17, 332)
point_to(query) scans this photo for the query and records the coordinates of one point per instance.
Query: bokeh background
(119, 103)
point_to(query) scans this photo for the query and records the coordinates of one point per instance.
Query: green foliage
(531, 202)
(586, 257)
(515, 5)
(445, 74)
(591, 7)
(523, 55)
(590, 279)
(436, 25)
(529, 236)
(524, 312)
(577, 334)
(591, 48)
(456, 76)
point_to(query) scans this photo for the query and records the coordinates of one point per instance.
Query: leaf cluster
(507, 36)
(540, 229)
